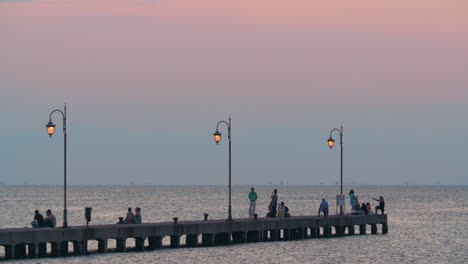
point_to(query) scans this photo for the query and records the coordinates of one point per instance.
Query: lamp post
(331, 144)
(50, 127)
(217, 139)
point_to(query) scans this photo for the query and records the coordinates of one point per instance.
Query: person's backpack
(286, 209)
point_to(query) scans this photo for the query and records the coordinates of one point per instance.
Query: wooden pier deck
(20, 243)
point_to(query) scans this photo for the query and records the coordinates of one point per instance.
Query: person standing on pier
(352, 198)
(274, 202)
(138, 215)
(130, 219)
(253, 201)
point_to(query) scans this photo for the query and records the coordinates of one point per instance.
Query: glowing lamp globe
(217, 137)
(50, 127)
(331, 143)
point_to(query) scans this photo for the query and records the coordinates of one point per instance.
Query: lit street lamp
(331, 144)
(50, 127)
(217, 138)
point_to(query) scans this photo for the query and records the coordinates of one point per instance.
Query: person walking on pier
(274, 202)
(253, 201)
(130, 219)
(381, 204)
(323, 207)
(38, 220)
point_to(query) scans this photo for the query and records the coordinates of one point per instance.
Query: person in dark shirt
(38, 220)
(364, 209)
(381, 204)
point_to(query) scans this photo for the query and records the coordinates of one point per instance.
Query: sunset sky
(146, 82)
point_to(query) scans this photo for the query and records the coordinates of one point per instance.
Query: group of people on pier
(39, 221)
(274, 210)
(131, 218)
(281, 210)
(365, 208)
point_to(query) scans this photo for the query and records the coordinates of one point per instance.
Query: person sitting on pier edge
(38, 220)
(50, 220)
(252, 199)
(356, 209)
(270, 212)
(323, 207)
(138, 215)
(352, 198)
(130, 219)
(364, 209)
(381, 204)
(274, 202)
(369, 208)
(283, 210)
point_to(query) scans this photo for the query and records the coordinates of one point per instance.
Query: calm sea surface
(426, 224)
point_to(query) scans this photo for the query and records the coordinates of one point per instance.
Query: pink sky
(386, 69)
(288, 50)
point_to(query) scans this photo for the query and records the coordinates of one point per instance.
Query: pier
(20, 243)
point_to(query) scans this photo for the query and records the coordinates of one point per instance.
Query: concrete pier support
(293, 234)
(286, 234)
(191, 240)
(154, 242)
(175, 241)
(207, 240)
(362, 229)
(222, 239)
(55, 249)
(314, 232)
(300, 233)
(9, 252)
(373, 229)
(32, 250)
(253, 236)
(384, 228)
(102, 245)
(139, 243)
(350, 230)
(274, 235)
(77, 248)
(64, 248)
(339, 231)
(326, 231)
(42, 250)
(121, 244)
(239, 237)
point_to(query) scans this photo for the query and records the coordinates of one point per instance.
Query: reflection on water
(426, 224)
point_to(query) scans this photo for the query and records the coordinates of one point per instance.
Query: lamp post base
(65, 223)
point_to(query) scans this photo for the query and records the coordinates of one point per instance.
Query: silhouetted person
(50, 220)
(323, 207)
(381, 205)
(364, 209)
(274, 202)
(38, 220)
(352, 198)
(253, 201)
(138, 219)
(130, 219)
